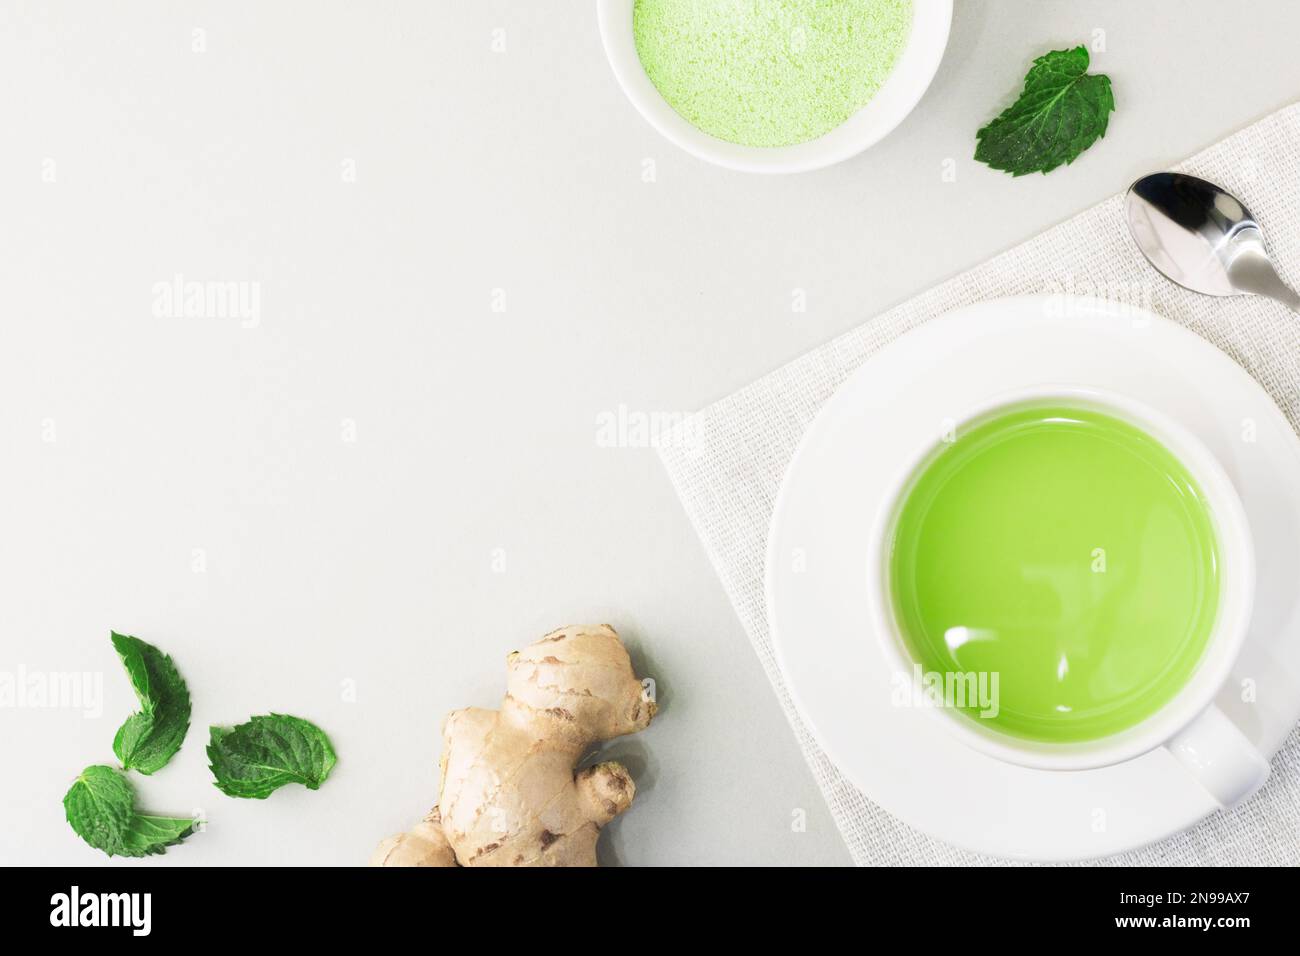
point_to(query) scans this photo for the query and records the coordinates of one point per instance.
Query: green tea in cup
(1065, 550)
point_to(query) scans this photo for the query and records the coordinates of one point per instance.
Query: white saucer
(816, 565)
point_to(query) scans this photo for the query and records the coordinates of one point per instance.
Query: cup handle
(1220, 757)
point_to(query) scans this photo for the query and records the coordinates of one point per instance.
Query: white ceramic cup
(897, 96)
(1190, 725)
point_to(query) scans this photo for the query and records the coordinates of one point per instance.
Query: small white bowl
(899, 94)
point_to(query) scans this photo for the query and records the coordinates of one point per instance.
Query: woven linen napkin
(728, 472)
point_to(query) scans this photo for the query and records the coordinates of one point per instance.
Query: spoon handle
(1287, 296)
(1253, 272)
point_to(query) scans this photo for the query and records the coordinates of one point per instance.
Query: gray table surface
(354, 508)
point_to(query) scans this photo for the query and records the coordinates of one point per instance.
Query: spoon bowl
(1203, 238)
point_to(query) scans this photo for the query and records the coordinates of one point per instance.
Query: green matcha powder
(769, 72)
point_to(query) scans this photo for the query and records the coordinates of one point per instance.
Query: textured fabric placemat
(730, 466)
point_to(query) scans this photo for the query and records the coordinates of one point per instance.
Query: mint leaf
(151, 737)
(100, 807)
(258, 757)
(1062, 110)
(147, 835)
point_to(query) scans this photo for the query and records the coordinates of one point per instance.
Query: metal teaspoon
(1203, 238)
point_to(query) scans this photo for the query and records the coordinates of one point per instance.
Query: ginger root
(509, 794)
(422, 845)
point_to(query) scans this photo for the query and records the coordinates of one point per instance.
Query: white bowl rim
(896, 98)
